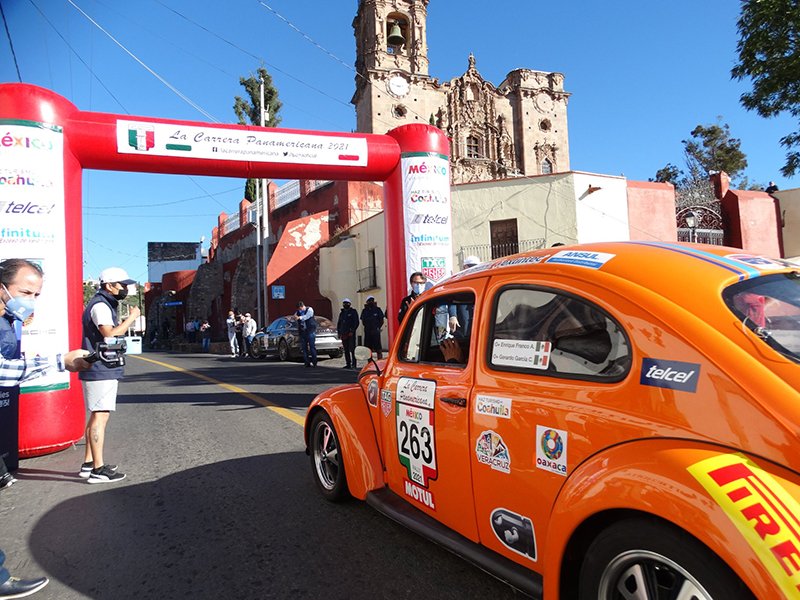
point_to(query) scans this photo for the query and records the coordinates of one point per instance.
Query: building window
(547, 167)
(473, 147)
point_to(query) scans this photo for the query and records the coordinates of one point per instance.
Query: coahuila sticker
(416, 446)
(493, 406)
(551, 450)
(763, 511)
(420, 494)
(521, 353)
(490, 449)
(386, 402)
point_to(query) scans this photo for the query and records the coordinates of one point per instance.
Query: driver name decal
(761, 509)
(416, 447)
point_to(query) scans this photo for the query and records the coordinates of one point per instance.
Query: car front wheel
(640, 559)
(283, 350)
(326, 459)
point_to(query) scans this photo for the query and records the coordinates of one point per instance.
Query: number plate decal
(416, 445)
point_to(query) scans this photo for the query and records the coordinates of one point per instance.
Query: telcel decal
(490, 449)
(514, 532)
(761, 509)
(670, 374)
(551, 450)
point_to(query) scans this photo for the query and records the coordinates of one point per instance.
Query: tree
(769, 55)
(249, 109)
(669, 173)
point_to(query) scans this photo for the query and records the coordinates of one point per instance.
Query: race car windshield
(770, 307)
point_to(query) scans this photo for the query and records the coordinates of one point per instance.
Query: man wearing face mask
(20, 284)
(100, 382)
(417, 281)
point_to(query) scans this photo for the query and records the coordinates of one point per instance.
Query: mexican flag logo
(141, 138)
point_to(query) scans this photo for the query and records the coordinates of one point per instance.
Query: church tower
(518, 128)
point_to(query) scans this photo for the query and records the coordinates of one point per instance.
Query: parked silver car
(281, 338)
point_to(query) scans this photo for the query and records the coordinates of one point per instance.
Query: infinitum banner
(32, 227)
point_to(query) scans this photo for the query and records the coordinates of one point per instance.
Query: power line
(206, 194)
(10, 43)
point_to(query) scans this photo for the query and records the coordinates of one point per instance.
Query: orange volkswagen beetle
(614, 420)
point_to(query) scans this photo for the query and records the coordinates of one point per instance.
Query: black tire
(336, 354)
(651, 560)
(283, 350)
(326, 459)
(255, 350)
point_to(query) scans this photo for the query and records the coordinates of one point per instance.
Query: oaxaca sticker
(515, 532)
(490, 449)
(763, 511)
(416, 446)
(372, 393)
(386, 402)
(581, 258)
(551, 449)
(670, 374)
(521, 353)
(493, 406)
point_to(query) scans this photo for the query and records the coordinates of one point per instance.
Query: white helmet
(470, 261)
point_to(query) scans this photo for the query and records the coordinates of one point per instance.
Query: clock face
(398, 86)
(544, 102)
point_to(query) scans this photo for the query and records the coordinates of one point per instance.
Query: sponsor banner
(490, 449)
(521, 353)
(426, 214)
(551, 450)
(759, 262)
(670, 374)
(514, 531)
(386, 402)
(493, 406)
(416, 443)
(763, 511)
(419, 392)
(590, 260)
(420, 494)
(165, 139)
(32, 227)
(372, 392)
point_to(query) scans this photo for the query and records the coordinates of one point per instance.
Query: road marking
(284, 412)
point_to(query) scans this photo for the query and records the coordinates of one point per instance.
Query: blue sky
(642, 75)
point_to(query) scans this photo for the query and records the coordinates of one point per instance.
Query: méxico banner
(32, 227)
(426, 211)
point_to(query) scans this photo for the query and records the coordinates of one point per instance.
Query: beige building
(789, 202)
(517, 128)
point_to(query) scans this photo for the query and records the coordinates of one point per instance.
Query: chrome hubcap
(326, 455)
(645, 575)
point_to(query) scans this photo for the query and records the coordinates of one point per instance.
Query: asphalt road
(219, 501)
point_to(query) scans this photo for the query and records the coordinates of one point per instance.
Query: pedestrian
(249, 328)
(189, 330)
(205, 334)
(771, 188)
(239, 335)
(230, 323)
(100, 382)
(372, 317)
(347, 326)
(417, 281)
(308, 333)
(20, 284)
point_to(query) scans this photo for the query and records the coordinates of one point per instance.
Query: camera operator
(20, 285)
(100, 382)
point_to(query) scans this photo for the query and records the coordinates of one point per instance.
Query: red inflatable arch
(42, 135)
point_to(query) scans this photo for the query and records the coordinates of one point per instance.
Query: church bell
(396, 36)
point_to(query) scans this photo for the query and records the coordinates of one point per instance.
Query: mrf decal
(416, 445)
(766, 515)
(515, 532)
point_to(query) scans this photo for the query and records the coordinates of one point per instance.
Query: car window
(546, 332)
(440, 331)
(770, 306)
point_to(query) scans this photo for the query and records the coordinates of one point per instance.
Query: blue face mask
(418, 287)
(19, 308)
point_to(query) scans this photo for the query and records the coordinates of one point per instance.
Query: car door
(425, 412)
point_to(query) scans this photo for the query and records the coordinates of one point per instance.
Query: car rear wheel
(283, 350)
(326, 459)
(336, 354)
(640, 559)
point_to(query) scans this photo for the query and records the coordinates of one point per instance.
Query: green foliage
(248, 111)
(669, 173)
(769, 55)
(711, 148)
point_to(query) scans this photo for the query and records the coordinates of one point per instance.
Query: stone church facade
(518, 128)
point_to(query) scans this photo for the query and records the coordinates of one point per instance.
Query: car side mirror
(364, 353)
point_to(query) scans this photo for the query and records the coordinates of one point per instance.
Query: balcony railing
(287, 193)
(489, 251)
(231, 224)
(367, 279)
(702, 236)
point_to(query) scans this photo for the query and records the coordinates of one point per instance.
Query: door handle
(460, 402)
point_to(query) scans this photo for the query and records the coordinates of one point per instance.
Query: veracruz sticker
(416, 445)
(761, 509)
(490, 449)
(551, 450)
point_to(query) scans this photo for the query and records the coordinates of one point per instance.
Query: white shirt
(101, 315)
(250, 327)
(231, 323)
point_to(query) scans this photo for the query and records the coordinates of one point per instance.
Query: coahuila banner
(164, 139)
(426, 202)
(32, 227)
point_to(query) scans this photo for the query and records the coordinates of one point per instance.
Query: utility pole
(263, 223)
(260, 279)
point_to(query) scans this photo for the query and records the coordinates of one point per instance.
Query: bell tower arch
(391, 62)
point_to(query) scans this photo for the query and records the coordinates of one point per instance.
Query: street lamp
(692, 221)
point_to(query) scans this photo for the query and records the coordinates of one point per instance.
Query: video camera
(111, 352)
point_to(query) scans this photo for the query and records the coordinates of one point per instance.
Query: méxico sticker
(551, 449)
(490, 449)
(416, 444)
